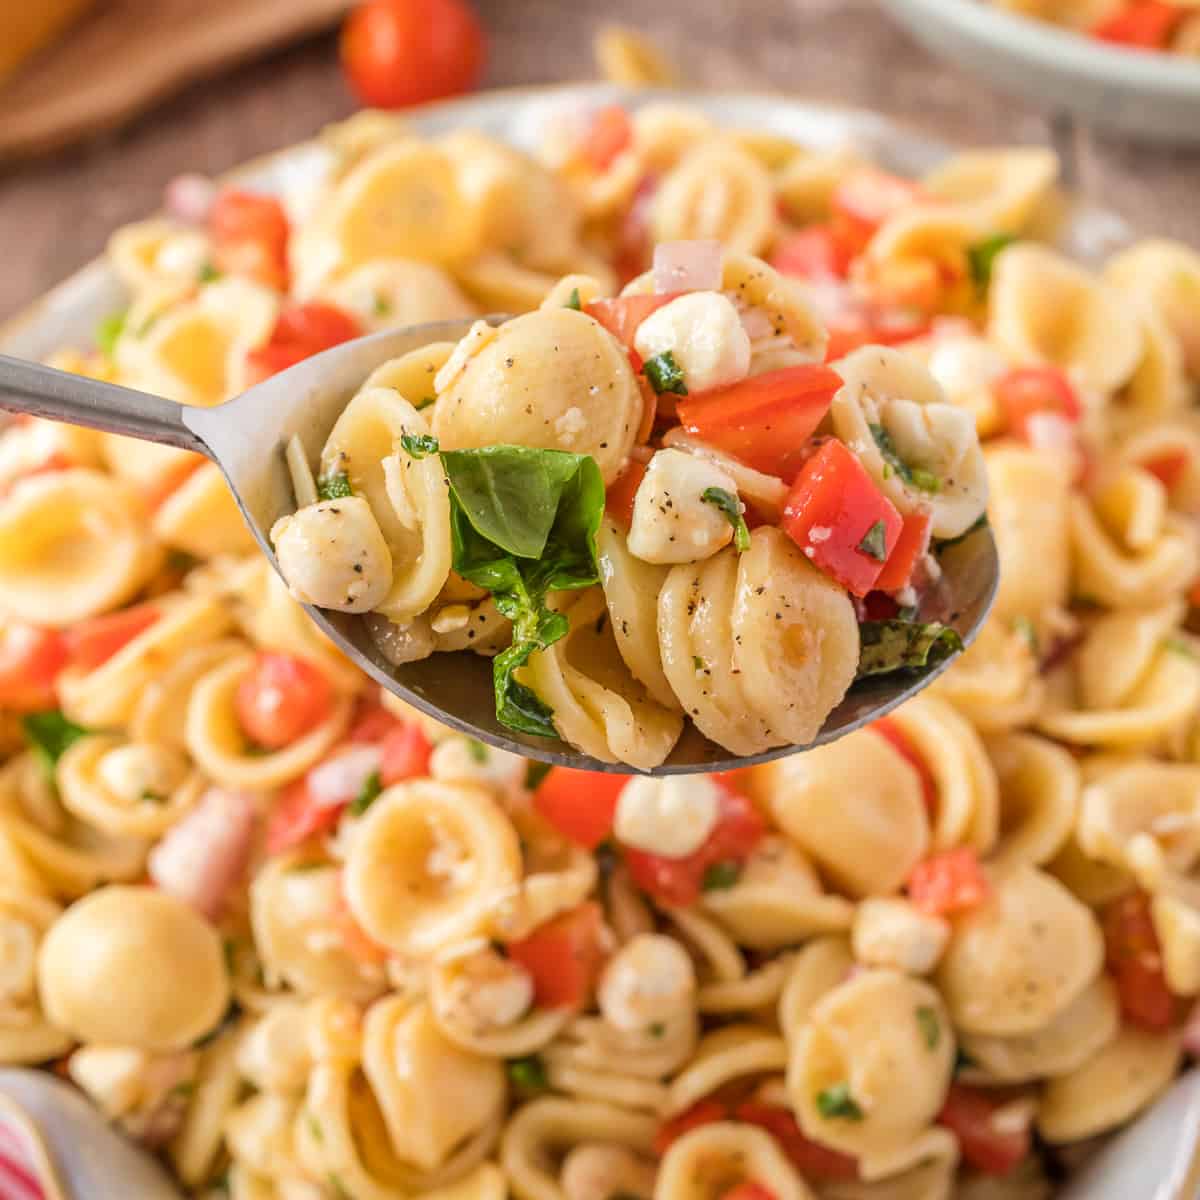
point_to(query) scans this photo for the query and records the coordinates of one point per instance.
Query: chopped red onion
(687, 267)
(339, 779)
(1191, 1032)
(190, 197)
(757, 324)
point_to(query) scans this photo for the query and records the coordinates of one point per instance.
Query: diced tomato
(281, 698)
(169, 481)
(910, 548)
(1142, 24)
(864, 326)
(1134, 957)
(358, 944)
(888, 729)
(618, 501)
(296, 816)
(406, 754)
(703, 1112)
(564, 957)
(30, 660)
(622, 316)
(810, 1158)
(1024, 391)
(765, 420)
(650, 406)
(969, 1113)
(96, 640)
(948, 883)
(1168, 467)
(864, 199)
(679, 881)
(631, 254)
(812, 253)
(581, 805)
(371, 722)
(609, 134)
(250, 236)
(749, 1189)
(1194, 594)
(833, 513)
(301, 332)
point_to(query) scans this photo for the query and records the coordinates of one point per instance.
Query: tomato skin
(618, 500)
(406, 752)
(864, 199)
(765, 420)
(968, 1114)
(281, 698)
(299, 333)
(1024, 391)
(608, 136)
(622, 315)
(1168, 468)
(948, 883)
(295, 817)
(564, 957)
(703, 1112)
(865, 326)
(812, 253)
(1134, 958)
(749, 1189)
(371, 722)
(891, 732)
(30, 660)
(400, 52)
(835, 497)
(1142, 24)
(94, 641)
(679, 881)
(581, 805)
(810, 1158)
(910, 548)
(250, 236)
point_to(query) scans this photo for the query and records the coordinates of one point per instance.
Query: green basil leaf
(981, 257)
(381, 306)
(720, 876)
(918, 477)
(109, 329)
(50, 735)
(535, 772)
(731, 506)
(887, 646)
(665, 374)
(419, 445)
(573, 301)
(837, 1102)
(874, 542)
(527, 1074)
(931, 1027)
(209, 273)
(367, 794)
(334, 487)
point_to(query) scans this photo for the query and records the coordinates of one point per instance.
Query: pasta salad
(300, 942)
(1170, 26)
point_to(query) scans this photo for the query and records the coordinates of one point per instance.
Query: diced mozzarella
(489, 991)
(458, 759)
(672, 816)
(890, 932)
(704, 334)
(333, 555)
(671, 523)
(647, 981)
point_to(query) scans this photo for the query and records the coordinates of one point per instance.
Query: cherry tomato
(295, 817)
(910, 548)
(564, 957)
(406, 752)
(1024, 391)
(401, 52)
(864, 199)
(1143, 25)
(1134, 957)
(281, 698)
(840, 519)
(703, 1112)
(812, 253)
(765, 420)
(948, 883)
(969, 1113)
(679, 881)
(608, 135)
(300, 332)
(371, 722)
(96, 640)
(891, 731)
(250, 237)
(1168, 468)
(581, 805)
(30, 660)
(810, 1158)
(618, 500)
(867, 326)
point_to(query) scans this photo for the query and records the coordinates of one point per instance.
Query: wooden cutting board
(127, 55)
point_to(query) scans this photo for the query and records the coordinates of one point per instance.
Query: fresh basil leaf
(367, 794)
(731, 506)
(918, 477)
(924, 481)
(535, 772)
(477, 750)
(981, 257)
(419, 445)
(837, 1102)
(527, 1074)
(887, 646)
(381, 306)
(720, 877)
(665, 374)
(334, 487)
(874, 542)
(209, 273)
(50, 735)
(573, 301)
(109, 329)
(931, 1027)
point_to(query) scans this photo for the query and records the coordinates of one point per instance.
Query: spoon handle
(29, 387)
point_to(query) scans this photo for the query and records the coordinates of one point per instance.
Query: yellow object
(25, 29)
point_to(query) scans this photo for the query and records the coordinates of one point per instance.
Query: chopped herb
(907, 613)
(731, 506)
(334, 487)
(477, 750)
(874, 542)
(835, 1102)
(573, 300)
(981, 257)
(1084, 600)
(946, 543)
(931, 1027)
(50, 734)
(721, 876)
(657, 1029)
(367, 794)
(665, 374)
(925, 481)
(1178, 645)
(381, 306)
(527, 1074)
(918, 477)
(426, 402)
(336, 1186)
(419, 445)
(1023, 627)
(152, 797)
(109, 330)
(962, 1061)
(886, 646)
(147, 325)
(535, 772)
(209, 273)
(606, 858)
(182, 1090)
(229, 952)
(181, 561)
(314, 1126)
(221, 1183)
(698, 663)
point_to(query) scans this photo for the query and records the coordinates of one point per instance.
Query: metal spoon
(245, 438)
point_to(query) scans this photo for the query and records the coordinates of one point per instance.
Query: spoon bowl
(246, 437)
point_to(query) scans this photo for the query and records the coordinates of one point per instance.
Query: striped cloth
(17, 1178)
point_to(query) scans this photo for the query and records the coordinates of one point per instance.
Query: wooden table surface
(56, 214)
